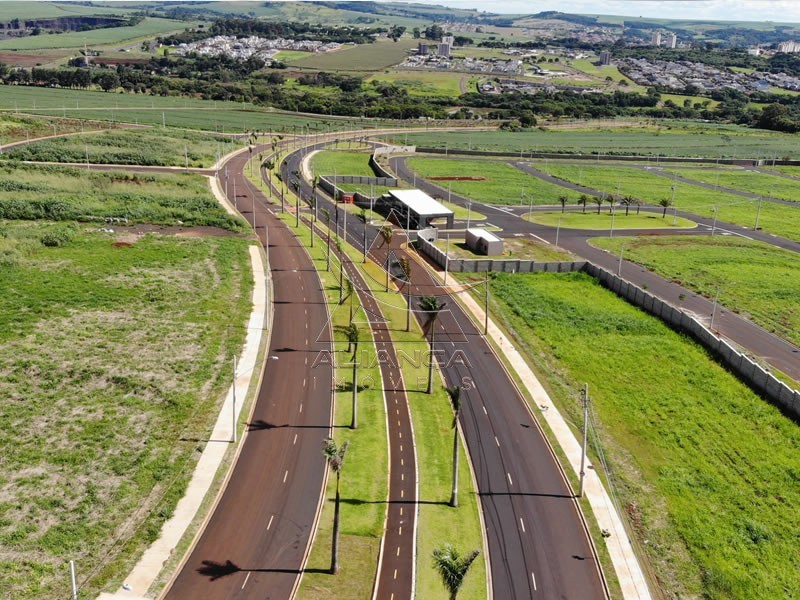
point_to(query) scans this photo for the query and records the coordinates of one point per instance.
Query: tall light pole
(469, 212)
(714, 225)
(558, 229)
(758, 213)
(233, 411)
(619, 266)
(585, 398)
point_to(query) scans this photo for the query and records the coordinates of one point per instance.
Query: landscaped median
(363, 507)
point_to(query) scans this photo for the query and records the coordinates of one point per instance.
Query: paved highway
(255, 542)
(538, 544)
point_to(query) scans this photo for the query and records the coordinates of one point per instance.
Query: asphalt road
(254, 543)
(537, 542)
(776, 351)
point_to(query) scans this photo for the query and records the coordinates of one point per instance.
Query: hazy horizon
(720, 10)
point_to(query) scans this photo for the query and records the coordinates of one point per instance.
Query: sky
(727, 10)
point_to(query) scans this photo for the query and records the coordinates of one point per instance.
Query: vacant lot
(705, 469)
(361, 57)
(667, 139)
(161, 147)
(746, 181)
(428, 83)
(779, 219)
(757, 280)
(65, 193)
(14, 128)
(328, 162)
(113, 360)
(503, 184)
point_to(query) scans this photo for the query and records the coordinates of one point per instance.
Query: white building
(789, 47)
(655, 39)
(671, 41)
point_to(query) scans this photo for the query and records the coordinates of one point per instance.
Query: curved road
(255, 542)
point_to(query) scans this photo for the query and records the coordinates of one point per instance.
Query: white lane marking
(522, 524)
(401, 463)
(509, 479)
(398, 551)
(401, 511)
(401, 447)
(304, 382)
(533, 577)
(484, 410)
(496, 441)
(395, 573)
(285, 475)
(538, 238)
(270, 522)
(301, 407)
(400, 434)
(295, 439)
(400, 530)
(402, 477)
(245, 580)
(402, 493)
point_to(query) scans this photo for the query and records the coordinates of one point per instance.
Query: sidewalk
(629, 572)
(155, 557)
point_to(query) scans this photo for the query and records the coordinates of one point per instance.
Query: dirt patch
(458, 178)
(131, 233)
(17, 59)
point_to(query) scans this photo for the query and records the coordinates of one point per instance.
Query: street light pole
(714, 225)
(758, 213)
(716, 302)
(558, 229)
(233, 412)
(619, 266)
(585, 397)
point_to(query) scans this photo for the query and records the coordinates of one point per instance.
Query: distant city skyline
(721, 10)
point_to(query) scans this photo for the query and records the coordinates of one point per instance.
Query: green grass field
(757, 280)
(110, 357)
(679, 99)
(48, 10)
(363, 57)
(705, 470)
(427, 83)
(190, 113)
(161, 147)
(667, 139)
(503, 184)
(592, 220)
(14, 128)
(775, 218)
(328, 162)
(71, 193)
(746, 181)
(523, 248)
(149, 27)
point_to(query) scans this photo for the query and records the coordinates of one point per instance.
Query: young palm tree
(583, 200)
(599, 201)
(665, 203)
(353, 335)
(335, 457)
(455, 400)
(612, 200)
(453, 567)
(431, 306)
(626, 201)
(563, 200)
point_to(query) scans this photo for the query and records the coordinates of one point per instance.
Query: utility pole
(758, 214)
(585, 398)
(72, 580)
(446, 259)
(486, 305)
(233, 412)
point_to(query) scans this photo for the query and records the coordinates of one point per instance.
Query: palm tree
(349, 293)
(626, 201)
(563, 200)
(612, 200)
(455, 400)
(665, 203)
(453, 567)
(599, 201)
(583, 200)
(353, 334)
(431, 306)
(387, 233)
(335, 457)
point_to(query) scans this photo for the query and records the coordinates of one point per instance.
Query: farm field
(71, 193)
(149, 27)
(703, 467)
(759, 281)
(591, 219)
(503, 184)
(328, 162)
(46, 10)
(746, 181)
(161, 147)
(779, 219)
(363, 57)
(111, 356)
(170, 111)
(427, 83)
(667, 139)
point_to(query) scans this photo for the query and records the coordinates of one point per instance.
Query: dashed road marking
(484, 410)
(270, 522)
(285, 475)
(509, 479)
(533, 577)
(522, 524)
(496, 441)
(245, 580)
(295, 440)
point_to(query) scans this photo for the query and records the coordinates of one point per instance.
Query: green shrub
(59, 236)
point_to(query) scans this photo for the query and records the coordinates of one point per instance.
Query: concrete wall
(326, 183)
(759, 379)
(376, 166)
